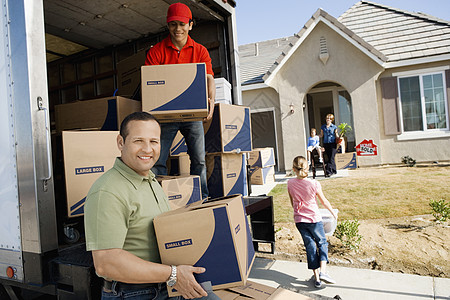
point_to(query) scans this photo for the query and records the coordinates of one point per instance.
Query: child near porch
(314, 143)
(308, 220)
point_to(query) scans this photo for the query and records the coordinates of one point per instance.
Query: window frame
(425, 132)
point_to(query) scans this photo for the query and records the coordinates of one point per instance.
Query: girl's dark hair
(136, 116)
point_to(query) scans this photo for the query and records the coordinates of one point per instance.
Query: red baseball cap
(179, 12)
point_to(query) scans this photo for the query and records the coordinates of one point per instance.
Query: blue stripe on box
(213, 139)
(196, 91)
(242, 140)
(179, 148)
(220, 257)
(111, 116)
(78, 208)
(240, 186)
(215, 183)
(196, 191)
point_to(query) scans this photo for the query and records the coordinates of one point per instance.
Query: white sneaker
(320, 160)
(327, 278)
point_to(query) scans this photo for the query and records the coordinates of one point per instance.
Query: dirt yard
(414, 245)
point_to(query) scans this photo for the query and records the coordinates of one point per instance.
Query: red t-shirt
(165, 53)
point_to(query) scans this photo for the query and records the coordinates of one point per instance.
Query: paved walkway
(351, 283)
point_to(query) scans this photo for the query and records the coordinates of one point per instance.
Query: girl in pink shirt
(302, 192)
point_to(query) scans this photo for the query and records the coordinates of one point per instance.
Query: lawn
(374, 193)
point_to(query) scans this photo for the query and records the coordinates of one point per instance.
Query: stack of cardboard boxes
(262, 165)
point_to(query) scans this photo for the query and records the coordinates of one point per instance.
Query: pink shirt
(303, 192)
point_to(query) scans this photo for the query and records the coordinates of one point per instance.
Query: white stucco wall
(347, 66)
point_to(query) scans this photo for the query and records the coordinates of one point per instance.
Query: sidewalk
(351, 283)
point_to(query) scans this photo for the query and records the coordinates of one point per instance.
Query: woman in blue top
(329, 134)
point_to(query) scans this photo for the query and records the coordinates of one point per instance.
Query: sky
(262, 20)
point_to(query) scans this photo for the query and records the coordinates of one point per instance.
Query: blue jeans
(315, 242)
(151, 293)
(195, 142)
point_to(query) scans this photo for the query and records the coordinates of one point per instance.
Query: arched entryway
(325, 98)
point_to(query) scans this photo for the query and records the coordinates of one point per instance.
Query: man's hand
(211, 110)
(186, 283)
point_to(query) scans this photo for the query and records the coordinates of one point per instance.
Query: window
(423, 102)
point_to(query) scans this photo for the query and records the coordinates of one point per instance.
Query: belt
(120, 286)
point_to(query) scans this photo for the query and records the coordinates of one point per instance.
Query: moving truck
(55, 52)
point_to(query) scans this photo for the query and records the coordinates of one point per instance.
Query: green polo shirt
(119, 212)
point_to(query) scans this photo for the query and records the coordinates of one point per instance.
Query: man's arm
(121, 265)
(211, 95)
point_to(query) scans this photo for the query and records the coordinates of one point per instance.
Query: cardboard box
(179, 146)
(98, 114)
(257, 291)
(181, 190)
(223, 91)
(129, 74)
(214, 235)
(226, 174)
(175, 92)
(179, 165)
(261, 157)
(346, 160)
(87, 155)
(262, 175)
(229, 130)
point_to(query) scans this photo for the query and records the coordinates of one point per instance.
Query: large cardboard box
(346, 160)
(175, 92)
(178, 146)
(229, 130)
(223, 91)
(261, 157)
(179, 165)
(226, 174)
(262, 175)
(181, 190)
(129, 74)
(87, 155)
(214, 235)
(98, 114)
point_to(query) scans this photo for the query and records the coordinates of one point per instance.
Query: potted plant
(344, 128)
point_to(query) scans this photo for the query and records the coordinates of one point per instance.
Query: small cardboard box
(261, 157)
(257, 291)
(346, 160)
(226, 174)
(214, 235)
(87, 155)
(129, 74)
(262, 175)
(223, 91)
(98, 114)
(181, 190)
(229, 130)
(179, 165)
(175, 92)
(179, 146)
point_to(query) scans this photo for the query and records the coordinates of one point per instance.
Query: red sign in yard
(366, 147)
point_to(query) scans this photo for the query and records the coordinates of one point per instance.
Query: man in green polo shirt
(119, 212)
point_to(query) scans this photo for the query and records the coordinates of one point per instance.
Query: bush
(441, 210)
(408, 161)
(348, 233)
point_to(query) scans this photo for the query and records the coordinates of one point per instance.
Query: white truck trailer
(53, 52)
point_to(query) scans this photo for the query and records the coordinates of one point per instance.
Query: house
(385, 71)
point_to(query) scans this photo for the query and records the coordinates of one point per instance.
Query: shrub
(408, 161)
(348, 233)
(441, 210)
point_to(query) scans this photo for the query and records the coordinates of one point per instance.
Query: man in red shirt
(179, 48)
